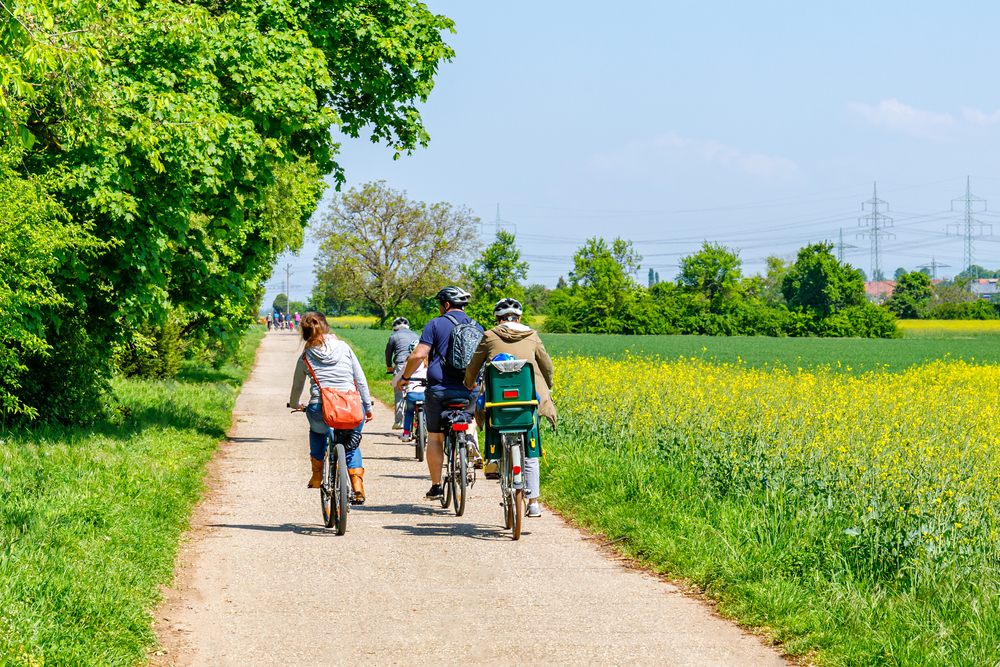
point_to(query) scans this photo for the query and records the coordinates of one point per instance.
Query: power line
(969, 223)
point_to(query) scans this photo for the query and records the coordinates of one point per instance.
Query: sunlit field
(950, 328)
(352, 322)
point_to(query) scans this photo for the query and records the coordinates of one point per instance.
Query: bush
(968, 310)
(154, 353)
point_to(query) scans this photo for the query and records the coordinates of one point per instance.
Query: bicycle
(511, 432)
(459, 476)
(335, 492)
(419, 430)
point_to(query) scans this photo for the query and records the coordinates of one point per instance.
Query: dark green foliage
(818, 282)
(280, 303)
(966, 310)
(910, 296)
(824, 297)
(154, 354)
(536, 297)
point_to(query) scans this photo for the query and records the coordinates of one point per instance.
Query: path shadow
(388, 458)
(403, 509)
(423, 476)
(251, 439)
(472, 531)
(297, 528)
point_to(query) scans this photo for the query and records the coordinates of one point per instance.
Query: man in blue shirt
(441, 385)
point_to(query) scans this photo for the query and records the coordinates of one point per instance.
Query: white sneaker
(534, 509)
(405, 437)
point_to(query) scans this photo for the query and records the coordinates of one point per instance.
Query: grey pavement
(262, 582)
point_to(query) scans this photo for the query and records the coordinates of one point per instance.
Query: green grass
(858, 354)
(369, 346)
(90, 518)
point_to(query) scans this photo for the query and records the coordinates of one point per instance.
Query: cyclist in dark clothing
(397, 350)
(441, 386)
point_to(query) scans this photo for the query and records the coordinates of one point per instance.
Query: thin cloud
(977, 117)
(894, 115)
(671, 151)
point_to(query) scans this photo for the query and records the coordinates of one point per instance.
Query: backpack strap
(453, 320)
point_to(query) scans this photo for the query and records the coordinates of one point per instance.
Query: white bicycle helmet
(399, 323)
(507, 307)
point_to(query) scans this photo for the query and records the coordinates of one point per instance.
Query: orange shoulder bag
(342, 410)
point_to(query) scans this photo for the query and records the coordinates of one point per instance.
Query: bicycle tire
(326, 489)
(446, 478)
(462, 479)
(518, 513)
(420, 439)
(344, 490)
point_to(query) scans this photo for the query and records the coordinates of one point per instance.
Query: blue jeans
(318, 431)
(411, 405)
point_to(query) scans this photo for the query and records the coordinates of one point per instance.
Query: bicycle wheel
(419, 435)
(461, 478)
(446, 478)
(326, 487)
(518, 512)
(343, 490)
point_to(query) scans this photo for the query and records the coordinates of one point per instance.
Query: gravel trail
(262, 582)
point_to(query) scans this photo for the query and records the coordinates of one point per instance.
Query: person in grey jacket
(335, 366)
(397, 351)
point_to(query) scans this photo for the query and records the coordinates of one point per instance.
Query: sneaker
(405, 437)
(397, 426)
(491, 470)
(534, 509)
(435, 492)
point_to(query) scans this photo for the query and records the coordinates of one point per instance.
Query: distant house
(880, 290)
(985, 288)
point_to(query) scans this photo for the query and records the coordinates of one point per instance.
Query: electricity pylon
(968, 224)
(499, 223)
(875, 221)
(841, 245)
(934, 266)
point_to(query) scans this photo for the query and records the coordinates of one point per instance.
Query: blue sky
(762, 126)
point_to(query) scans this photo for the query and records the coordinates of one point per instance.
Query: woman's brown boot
(357, 483)
(317, 477)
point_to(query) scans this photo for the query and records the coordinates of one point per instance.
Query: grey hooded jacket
(335, 366)
(397, 350)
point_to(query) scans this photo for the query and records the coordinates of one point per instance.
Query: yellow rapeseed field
(908, 463)
(949, 328)
(352, 322)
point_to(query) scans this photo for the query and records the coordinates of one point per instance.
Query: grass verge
(90, 518)
(369, 346)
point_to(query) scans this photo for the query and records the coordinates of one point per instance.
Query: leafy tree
(536, 297)
(770, 284)
(626, 256)
(878, 275)
(280, 303)
(714, 271)
(899, 272)
(910, 296)
(561, 283)
(496, 274)
(817, 281)
(378, 246)
(926, 271)
(600, 294)
(864, 276)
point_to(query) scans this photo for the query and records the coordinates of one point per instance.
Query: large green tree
(714, 271)
(910, 296)
(378, 246)
(818, 282)
(496, 274)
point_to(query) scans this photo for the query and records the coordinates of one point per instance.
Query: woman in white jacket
(335, 366)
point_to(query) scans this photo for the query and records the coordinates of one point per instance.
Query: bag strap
(311, 372)
(453, 320)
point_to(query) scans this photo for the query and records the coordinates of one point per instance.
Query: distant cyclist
(335, 366)
(397, 351)
(442, 382)
(414, 392)
(521, 342)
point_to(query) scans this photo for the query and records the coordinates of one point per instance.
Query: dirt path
(263, 583)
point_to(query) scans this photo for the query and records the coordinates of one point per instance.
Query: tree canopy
(379, 246)
(496, 274)
(819, 282)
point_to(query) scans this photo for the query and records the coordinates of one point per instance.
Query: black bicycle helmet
(456, 296)
(507, 307)
(400, 322)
